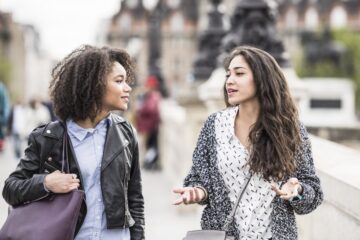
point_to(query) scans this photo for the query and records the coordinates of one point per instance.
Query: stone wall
(339, 216)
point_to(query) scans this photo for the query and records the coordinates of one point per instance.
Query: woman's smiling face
(117, 89)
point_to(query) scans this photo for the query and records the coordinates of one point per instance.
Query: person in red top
(148, 121)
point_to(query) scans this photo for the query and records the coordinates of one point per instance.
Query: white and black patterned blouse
(253, 213)
(206, 172)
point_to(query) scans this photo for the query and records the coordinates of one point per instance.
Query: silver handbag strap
(233, 211)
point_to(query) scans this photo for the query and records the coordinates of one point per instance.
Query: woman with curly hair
(255, 148)
(86, 86)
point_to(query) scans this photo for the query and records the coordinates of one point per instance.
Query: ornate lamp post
(254, 23)
(209, 43)
(154, 36)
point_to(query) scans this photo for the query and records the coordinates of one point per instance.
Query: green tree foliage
(351, 40)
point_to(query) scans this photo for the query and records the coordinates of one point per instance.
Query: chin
(233, 103)
(123, 108)
(119, 108)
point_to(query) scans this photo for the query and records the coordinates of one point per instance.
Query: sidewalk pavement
(163, 221)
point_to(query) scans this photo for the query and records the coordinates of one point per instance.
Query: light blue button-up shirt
(89, 146)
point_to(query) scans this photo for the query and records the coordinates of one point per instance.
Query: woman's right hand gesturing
(58, 182)
(190, 195)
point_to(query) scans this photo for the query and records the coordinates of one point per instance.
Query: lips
(125, 98)
(230, 91)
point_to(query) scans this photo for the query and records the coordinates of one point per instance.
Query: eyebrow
(119, 76)
(235, 68)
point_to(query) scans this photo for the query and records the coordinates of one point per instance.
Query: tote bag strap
(65, 153)
(233, 211)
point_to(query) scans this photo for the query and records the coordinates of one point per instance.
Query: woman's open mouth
(125, 98)
(230, 91)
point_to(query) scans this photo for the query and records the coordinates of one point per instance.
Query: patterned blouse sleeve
(312, 195)
(198, 174)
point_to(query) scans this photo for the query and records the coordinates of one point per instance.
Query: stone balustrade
(339, 216)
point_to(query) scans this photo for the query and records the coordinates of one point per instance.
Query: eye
(239, 73)
(227, 75)
(119, 81)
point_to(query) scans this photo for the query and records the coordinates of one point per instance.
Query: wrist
(204, 191)
(298, 196)
(45, 185)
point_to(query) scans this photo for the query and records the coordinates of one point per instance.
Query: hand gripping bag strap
(52, 218)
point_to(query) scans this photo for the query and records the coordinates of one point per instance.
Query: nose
(127, 87)
(230, 80)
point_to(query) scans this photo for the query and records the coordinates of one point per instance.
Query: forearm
(193, 180)
(137, 231)
(136, 208)
(18, 191)
(136, 200)
(311, 196)
(26, 183)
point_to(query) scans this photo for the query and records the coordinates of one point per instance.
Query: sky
(63, 24)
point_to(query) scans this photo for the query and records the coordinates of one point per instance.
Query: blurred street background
(178, 47)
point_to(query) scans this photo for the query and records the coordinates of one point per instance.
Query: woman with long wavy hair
(256, 146)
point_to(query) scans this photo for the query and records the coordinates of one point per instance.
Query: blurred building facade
(296, 17)
(12, 50)
(182, 22)
(300, 15)
(25, 66)
(178, 20)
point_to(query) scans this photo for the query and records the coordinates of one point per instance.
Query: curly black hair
(79, 80)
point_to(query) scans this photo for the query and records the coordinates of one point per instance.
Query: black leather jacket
(120, 174)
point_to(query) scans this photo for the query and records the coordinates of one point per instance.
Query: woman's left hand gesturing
(292, 188)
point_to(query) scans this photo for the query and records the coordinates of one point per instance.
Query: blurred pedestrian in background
(50, 107)
(36, 115)
(148, 121)
(23, 119)
(258, 139)
(4, 113)
(87, 86)
(17, 126)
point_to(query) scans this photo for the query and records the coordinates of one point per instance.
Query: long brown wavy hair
(275, 137)
(79, 80)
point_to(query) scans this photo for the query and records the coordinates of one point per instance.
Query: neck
(249, 112)
(89, 123)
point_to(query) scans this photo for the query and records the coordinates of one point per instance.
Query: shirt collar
(80, 133)
(233, 111)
